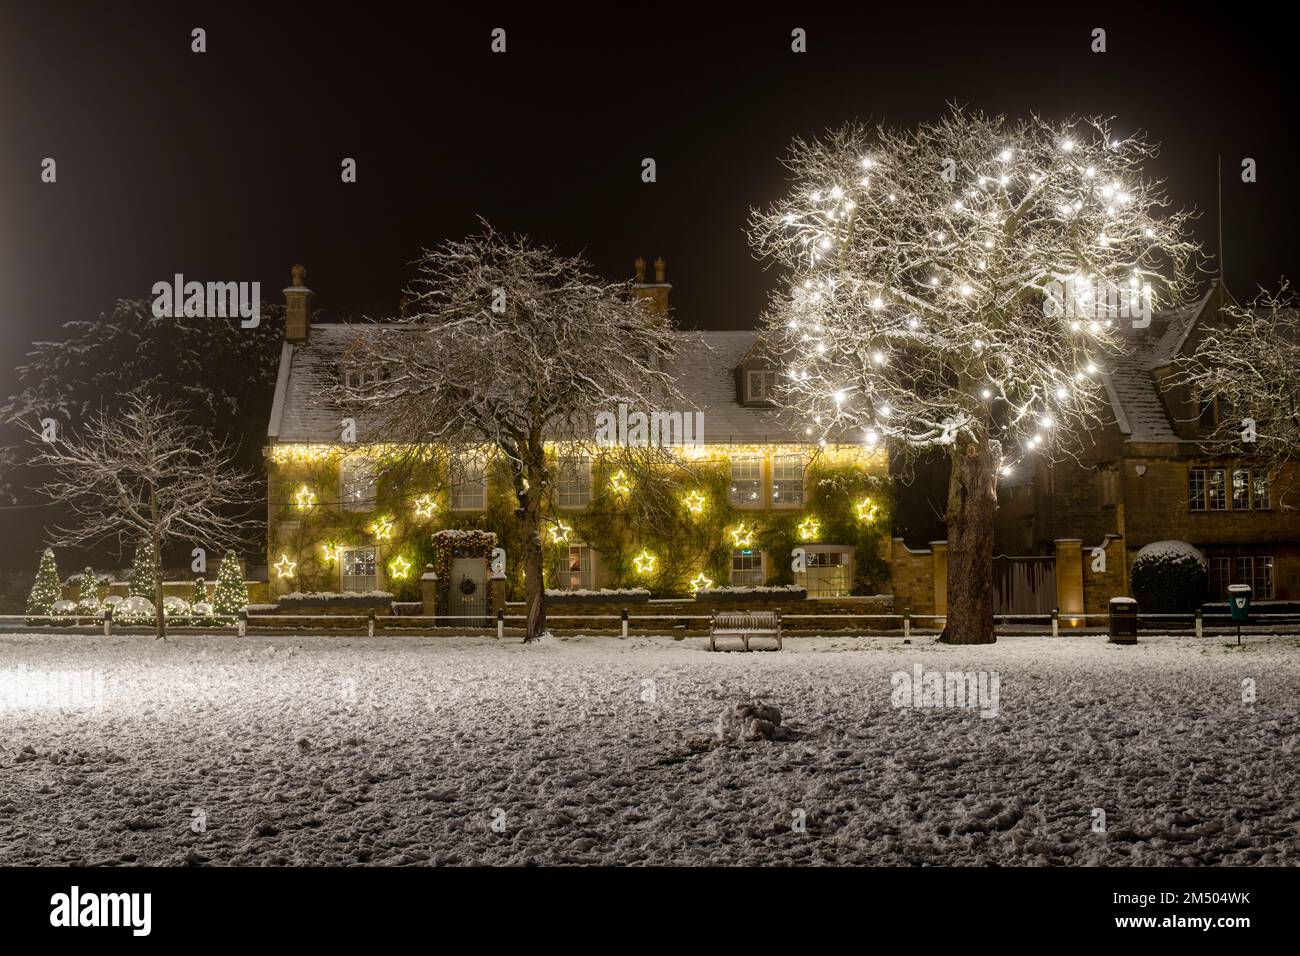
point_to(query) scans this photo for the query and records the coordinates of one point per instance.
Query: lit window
(359, 570)
(829, 574)
(468, 484)
(1260, 491)
(746, 490)
(1240, 489)
(579, 575)
(747, 568)
(787, 480)
(360, 481)
(1216, 489)
(573, 482)
(1207, 489)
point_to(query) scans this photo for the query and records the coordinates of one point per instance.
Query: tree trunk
(534, 551)
(160, 618)
(972, 503)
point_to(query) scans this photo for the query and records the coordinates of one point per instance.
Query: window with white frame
(580, 564)
(360, 484)
(468, 484)
(758, 384)
(573, 481)
(746, 488)
(1220, 577)
(1260, 491)
(747, 568)
(1256, 571)
(1207, 489)
(830, 571)
(787, 480)
(359, 569)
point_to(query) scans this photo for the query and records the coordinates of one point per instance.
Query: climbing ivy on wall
(632, 512)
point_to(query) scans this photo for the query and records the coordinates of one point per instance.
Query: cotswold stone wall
(692, 616)
(912, 576)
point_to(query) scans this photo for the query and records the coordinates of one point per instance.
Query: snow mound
(756, 721)
(1169, 551)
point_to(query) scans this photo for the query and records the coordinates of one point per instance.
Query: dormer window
(758, 385)
(364, 379)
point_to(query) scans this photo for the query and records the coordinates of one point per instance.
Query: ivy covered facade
(727, 508)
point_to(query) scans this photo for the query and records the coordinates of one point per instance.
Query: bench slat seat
(744, 624)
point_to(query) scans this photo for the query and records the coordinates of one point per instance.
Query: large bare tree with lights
(1248, 362)
(138, 475)
(958, 285)
(508, 347)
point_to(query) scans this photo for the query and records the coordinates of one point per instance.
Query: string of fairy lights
(848, 327)
(383, 528)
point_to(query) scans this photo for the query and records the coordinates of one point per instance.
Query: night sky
(225, 165)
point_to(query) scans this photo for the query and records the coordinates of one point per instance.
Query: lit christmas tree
(200, 593)
(231, 594)
(145, 577)
(959, 287)
(88, 597)
(46, 589)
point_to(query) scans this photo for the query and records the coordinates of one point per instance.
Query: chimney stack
(656, 293)
(297, 307)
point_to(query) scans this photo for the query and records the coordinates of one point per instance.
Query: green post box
(1239, 605)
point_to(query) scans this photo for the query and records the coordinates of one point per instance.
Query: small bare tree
(506, 348)
(138, 475)
(957, 286)
(1248, 364)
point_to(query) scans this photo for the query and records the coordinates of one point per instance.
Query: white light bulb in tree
(925, 309)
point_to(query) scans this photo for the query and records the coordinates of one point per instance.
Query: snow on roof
(705, 375)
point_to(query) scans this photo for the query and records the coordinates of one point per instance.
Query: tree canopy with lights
(958, 286)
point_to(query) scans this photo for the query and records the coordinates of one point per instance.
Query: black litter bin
(1123, 620)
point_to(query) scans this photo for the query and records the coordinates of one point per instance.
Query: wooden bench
(744, 624)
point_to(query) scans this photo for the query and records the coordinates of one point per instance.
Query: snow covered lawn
(344, 750)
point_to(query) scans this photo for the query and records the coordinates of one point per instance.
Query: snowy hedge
(302, 599)
(783, 592)
(599, 595)
(1168, 577)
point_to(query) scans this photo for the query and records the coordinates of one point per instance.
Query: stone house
(341, 519)
(1143, 477)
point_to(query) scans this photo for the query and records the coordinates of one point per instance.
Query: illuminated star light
(867, 510)
(304, 498)
(425, 506)
(645, 562)
(619, 484)
(560, 533)
(701, 582)
(742, 536)
(284, 567)
(398, 568)
(694, 502)
(809, 529)
(331, 552)
(382, 529)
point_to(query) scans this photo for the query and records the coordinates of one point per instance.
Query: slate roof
(704, 371)
(1134, 395)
